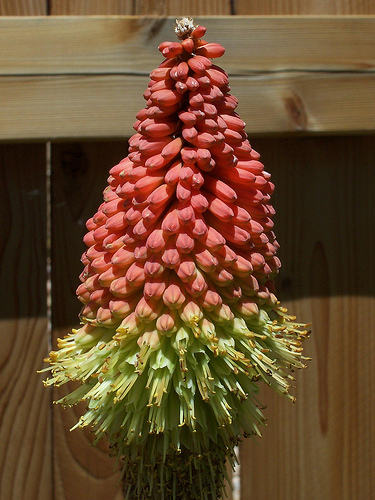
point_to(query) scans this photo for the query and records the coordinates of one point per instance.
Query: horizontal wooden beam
(128, 44)
(101, 106)
(83, 77)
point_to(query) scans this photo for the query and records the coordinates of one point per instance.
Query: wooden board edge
(98, 106)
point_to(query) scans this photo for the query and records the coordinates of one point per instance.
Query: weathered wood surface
(209, 7)
(79, 174)
(105, 106)
(23, 8)
(305, 7)
(97, 107)
(183, 7)
(322, 447)
(128, 44)
(25, 427)
(141, 7)
(91, 7)
(83, 77)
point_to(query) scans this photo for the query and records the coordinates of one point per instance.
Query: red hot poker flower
(179, 317)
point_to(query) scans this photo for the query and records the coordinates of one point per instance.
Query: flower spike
(180, 319)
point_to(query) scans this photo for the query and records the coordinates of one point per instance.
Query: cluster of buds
(179, 317)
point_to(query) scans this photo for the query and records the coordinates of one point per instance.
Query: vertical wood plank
(24, 8)
(183, 7)
(322, 447)
(25, 405)
(307, 7)
(141, 7)
(79, 173)
(324, 207)
(91, 7)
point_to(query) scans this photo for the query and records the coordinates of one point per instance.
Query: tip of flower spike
(184, 27)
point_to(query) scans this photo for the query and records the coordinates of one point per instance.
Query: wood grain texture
(25, 427)
(91, 7)
(182, 7)
(306, 7)
(83, 77)
(322, 447)
(79, 174)
(128, 45)
(141, 7)
(80, 469)
(67, 107)
(23, 8)
(105, 106)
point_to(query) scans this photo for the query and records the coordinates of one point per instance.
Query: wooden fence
(69, 90)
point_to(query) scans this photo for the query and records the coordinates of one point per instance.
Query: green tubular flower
(180, 320)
